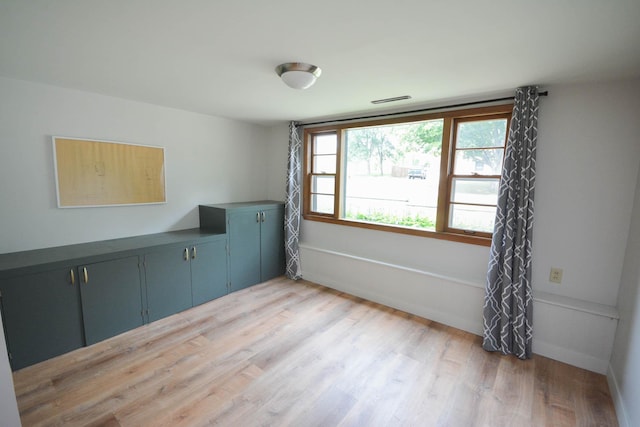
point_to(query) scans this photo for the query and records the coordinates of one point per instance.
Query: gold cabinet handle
(193, 253)
(73, 277)
(85, 274)
(186, 254)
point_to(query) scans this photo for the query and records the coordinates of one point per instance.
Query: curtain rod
(423, 110)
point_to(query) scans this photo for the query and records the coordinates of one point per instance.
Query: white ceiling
(218, 56)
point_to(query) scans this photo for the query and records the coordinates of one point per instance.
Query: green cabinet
(41, 315)
(208, 271)
(272, 260)
(180, 277)
(255, 232)
(111, 298)
(55, 300)
(49, 313)
(168, 282)
(244, 249)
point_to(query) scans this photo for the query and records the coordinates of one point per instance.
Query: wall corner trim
(616, 396)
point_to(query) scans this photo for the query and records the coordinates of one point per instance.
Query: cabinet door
(111, 298)
(168, 280)
(244, 249)
(42, 316)
(208, 271)
(272, 244)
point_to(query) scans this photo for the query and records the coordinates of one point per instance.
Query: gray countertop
(69, 255)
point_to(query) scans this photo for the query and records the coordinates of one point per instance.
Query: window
(435, 175)
(324, 159)
(475, 177)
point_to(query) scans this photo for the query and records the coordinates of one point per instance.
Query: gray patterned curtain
(292, 204)
(508, 302)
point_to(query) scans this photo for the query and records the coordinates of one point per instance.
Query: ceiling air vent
(394, 99)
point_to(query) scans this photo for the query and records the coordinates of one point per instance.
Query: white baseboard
(570, 357)
(587, 330)
(616, 395)
(419, 310)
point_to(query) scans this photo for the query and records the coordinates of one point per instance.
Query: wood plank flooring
(287, 353)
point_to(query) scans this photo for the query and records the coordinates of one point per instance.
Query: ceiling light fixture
(298, 75)
(385, 100)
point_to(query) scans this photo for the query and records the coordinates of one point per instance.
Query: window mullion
(338, 186)
(445, 165)
(308, 172)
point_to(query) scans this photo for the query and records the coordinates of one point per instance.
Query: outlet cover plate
(555, 276)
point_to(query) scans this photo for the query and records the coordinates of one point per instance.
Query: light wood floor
(287, 353)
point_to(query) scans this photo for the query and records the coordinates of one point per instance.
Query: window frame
(452, 175)
(450, 119)
(311, 173)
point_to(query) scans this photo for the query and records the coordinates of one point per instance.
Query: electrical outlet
(555, 275)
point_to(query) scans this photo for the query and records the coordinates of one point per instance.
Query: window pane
(383, 164)
(321, 203)
(482, 191)
(474, 218)
(323, 184)
(324, 164)
(481, 162)
(482, 133)
(325, 144)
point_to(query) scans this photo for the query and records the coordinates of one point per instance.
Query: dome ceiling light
(298, 75)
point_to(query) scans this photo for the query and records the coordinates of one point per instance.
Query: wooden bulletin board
(104, 173)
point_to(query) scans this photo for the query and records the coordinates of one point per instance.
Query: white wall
(588, 155)
(586, 176)
(277, 143)
(624, 372)
(208, 160)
